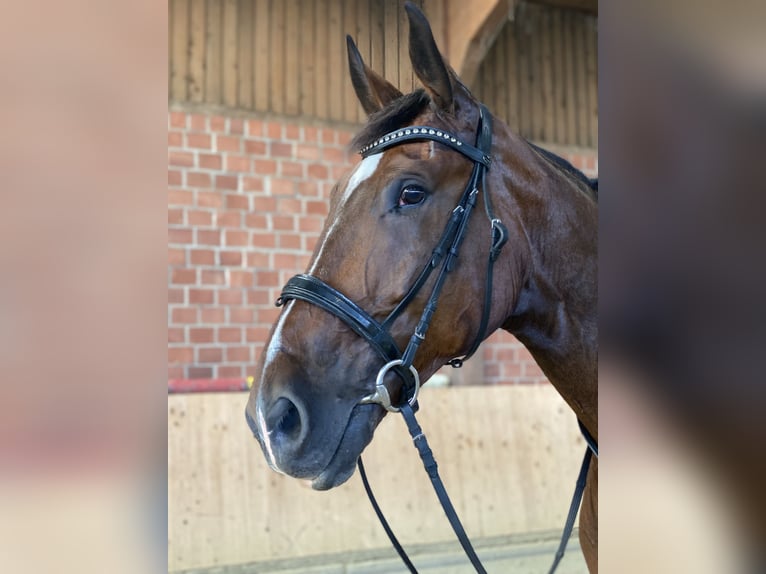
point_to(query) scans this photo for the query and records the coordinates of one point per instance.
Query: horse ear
(427, 62)
(374, 91)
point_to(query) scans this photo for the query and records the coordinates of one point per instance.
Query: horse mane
(394, 116)
(568, 168)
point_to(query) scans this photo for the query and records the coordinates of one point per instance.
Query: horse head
(387, 215)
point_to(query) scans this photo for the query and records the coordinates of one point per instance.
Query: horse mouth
(356, 436)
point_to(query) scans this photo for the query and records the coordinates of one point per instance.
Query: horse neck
(554, 314)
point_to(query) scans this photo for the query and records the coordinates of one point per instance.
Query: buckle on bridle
(381, 396)
(499, 238)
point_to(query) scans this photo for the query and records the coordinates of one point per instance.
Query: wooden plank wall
(287, 57)
(541, 75)
(508, 454)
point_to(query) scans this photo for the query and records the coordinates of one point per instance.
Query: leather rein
(315, 291)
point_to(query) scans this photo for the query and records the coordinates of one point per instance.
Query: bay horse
(321, 376)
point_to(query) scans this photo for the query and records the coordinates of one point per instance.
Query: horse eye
(411, 196)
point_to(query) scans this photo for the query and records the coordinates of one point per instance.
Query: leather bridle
(315, 291)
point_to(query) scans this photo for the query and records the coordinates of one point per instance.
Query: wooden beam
(590, 6)
(472, 29)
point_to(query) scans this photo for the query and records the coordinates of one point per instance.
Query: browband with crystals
(416, 133)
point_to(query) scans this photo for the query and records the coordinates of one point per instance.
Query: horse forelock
(394, 116)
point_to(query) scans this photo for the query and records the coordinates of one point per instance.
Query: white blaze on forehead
(363, 171)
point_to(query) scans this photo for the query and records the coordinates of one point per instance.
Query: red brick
(203, 296)
(198, 122)
(317, 171)
(176, 256)
(237, 163)
(310, 133)
(213, 277)
(180, 197)
(178, 120)
(241, 278)
(181, 158)
(198, 179)
(311, 188)
(209, 199)
(176, 372)
(290, 169)
(197, 217)
(263, 240)
(264, 166)
(228, 143)
(236, 238)
(213, 316)
(175, 177)
(230, 296)
(285, 261)
(256, 334)
(176, 335)
(328, 136)
(210, 161)
(257, 259)
(281, 149)
(237, 201)
(175, 139)
(202, 257)
(254, 128)
(252, 183)
(210, 354)
(274, 130)
(267, 278)
(229, 334)
(255, 147)
(180, 236)
(282, 186)
(338, 171)
(238, 354)
(226, 182)
(175, 216)
(236, 126)
(262, 204)
(310, 223)
(344, 137)
(289, 205)
(180, 355)
(176, 296)
(184, 315)
(256, 221)
(283, 222)
(217, 124)
(200, 141)
(208, 236)
(303, 151)
(230, 371)
(184, 276)
(240, 315)
(200, 373)
(202, 335)
(231, 258)
(317, 207)
(334, 154)
(260, 297)
(289, 241)
(267, 315)
(311, 242)
(229, 219)
(292, 132)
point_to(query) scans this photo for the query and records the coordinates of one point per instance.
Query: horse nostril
(284, 419)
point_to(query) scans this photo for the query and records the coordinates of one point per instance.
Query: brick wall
(247, 199)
